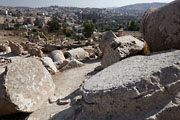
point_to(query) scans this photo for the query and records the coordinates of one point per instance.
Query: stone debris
(16, 48)
(4, 61)
(130, 83)
(61, 65)
(36, 52)
(72, 64)
(63, 102)
(53, 99)
(50, 66)
(78, 53)
(57, 56)
(5, 48)
(76, 100)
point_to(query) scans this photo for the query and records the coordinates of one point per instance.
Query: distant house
(2, 19)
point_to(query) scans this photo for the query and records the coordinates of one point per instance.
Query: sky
(75, 3)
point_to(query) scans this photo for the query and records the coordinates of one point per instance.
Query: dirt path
(67, 82)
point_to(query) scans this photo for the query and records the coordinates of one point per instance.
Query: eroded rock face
(24, 86)
(78, 53)
(161, 27)
(48, 63)
(57, 56)
(136, 88)
(120, 48)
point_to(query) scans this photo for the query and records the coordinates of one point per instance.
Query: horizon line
(77, 6)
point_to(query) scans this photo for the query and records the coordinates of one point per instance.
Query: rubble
(36, 52)
(48, 63)
(16, 48)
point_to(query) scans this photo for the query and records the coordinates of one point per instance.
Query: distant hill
(138, 9)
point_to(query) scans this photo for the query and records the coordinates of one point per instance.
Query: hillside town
(70, 63)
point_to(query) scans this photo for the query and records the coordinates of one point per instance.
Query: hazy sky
(76, 3)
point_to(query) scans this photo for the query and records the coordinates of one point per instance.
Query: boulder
(24, 86)
(36, 52)
(5, 48)
(106, 40)
(161, 27)
(136, 88)
(120, 48)
(78, 53)
(57, 56)
(16, 48)
(28, 45)
(72, 64)
(48, 63)
(89, 49)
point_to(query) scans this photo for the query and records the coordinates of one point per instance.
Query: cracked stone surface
(136, 88)
(24, 86)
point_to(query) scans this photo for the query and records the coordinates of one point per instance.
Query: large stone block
(24, 85)
(161, 27)
(136, 88)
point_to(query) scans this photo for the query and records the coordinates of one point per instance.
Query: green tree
(68, 33)
(89, 28)
(134, 26)
(38, 23)
(53, 26)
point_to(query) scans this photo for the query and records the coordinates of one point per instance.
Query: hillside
(137, 9)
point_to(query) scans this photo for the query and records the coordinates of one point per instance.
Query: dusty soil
(67, 85)
(3, 38)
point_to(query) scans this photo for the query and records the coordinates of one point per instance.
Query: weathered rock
(89, 49)
(28, 45)
(4, 61)
(48, 63)
(63, 102)
(24, 86)
(78, 53)
(161, 27)
(36, 52)
(57, 56)
(72, 64)
(53, 99)
(5, 48)
(98, 52)
(16, 48)
(35, 38)
(50, 48)
(61, 65)
(121, 48)
(136, 88)
(106, 40)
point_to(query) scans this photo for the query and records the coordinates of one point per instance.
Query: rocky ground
(119, 79)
